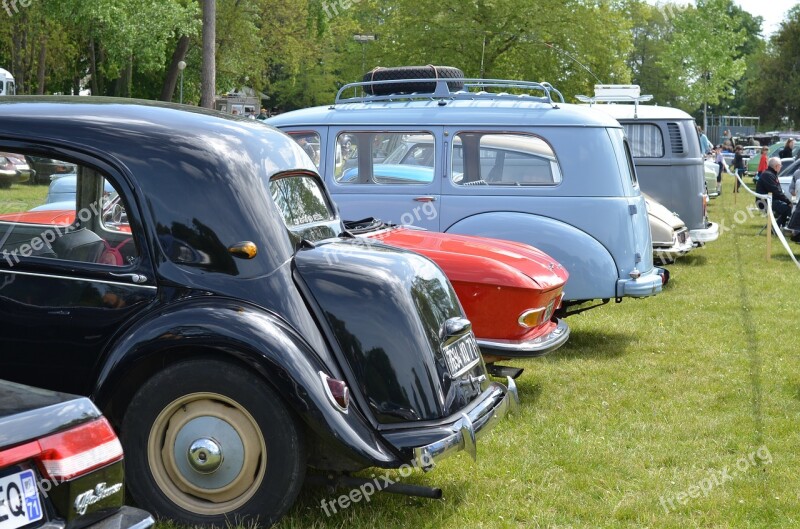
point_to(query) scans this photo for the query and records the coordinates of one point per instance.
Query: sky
(772, 11)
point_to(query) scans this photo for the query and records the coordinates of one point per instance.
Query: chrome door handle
(425, 199)
(136, 278)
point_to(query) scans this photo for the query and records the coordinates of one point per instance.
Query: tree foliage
(299, 53)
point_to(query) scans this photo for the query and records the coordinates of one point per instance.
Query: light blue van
(520, 166)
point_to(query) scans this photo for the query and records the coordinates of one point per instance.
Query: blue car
(502, 159)
(62, 191)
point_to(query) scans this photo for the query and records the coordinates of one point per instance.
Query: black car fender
(253, 338)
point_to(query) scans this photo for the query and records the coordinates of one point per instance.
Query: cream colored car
(670, 235)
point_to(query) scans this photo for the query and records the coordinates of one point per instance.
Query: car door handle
(425, 199)
(136, 278)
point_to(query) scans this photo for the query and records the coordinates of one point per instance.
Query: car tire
(207, 443)
(411, 72)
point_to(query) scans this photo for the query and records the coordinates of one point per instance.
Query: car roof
(629, 111)
(503, 111)
(127, 127)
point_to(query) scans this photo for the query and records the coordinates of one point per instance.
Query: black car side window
(79, 217)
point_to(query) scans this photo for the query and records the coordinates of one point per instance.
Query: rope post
(769, 228)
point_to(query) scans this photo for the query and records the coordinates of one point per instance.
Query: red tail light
(337, 391)
(71, 453)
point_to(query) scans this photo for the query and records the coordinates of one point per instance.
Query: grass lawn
(675, 411)
(21, 197)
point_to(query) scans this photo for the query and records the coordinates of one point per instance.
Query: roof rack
(617, 94)
(442, 91)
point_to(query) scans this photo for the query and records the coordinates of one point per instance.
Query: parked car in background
(786, 175)
(14, 169)
(710, 171)
(60, 464)
(228, 340)
(671, 238)
(509, 291)
(47, 168)
(512, 167)
(666, 152)
(752, 164)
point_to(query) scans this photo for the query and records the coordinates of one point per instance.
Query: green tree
(702, 55)
(774, 77)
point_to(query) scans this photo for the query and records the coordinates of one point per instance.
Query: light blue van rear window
(388, 158)
(503, 159)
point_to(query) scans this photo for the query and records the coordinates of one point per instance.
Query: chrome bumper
(709, 234)
(648, 284)
(493, 404)
(676, 250)
(537, 347)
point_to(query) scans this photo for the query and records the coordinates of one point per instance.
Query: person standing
(720, 159)
(762, 163)
(786, 152)
(705, 145)
(769, 183)
(738, 166)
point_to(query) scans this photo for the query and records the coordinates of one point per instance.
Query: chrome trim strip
(537, 347)
(89, 280)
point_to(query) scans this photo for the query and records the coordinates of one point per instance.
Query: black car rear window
(300, 200)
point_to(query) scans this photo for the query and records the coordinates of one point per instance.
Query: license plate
(548, 313)
(19, 500)
(461, 356)
(682, 237)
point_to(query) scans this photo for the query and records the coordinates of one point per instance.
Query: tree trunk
(93, 68)
(41, 69)
(173, 72)
(208, 72)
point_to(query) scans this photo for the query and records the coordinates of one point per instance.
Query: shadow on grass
(691, 259)
(592, 344)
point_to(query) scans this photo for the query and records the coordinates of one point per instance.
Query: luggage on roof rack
(437, 82)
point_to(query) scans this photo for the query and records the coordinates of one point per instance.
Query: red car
(509, 290)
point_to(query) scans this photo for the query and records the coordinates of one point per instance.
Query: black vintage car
(60, 464)
(215, 309)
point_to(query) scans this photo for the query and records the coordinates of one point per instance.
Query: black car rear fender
(251, 337)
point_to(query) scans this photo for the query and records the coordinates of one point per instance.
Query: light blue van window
(623, 152)
(645, 139)
(503, 159)
(388, 158)
(310, 143)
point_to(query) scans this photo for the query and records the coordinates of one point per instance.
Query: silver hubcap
(205, 455)
(205, 467)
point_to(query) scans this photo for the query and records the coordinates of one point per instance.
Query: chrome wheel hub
(205, 455)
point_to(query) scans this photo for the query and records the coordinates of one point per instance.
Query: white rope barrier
(771, 217)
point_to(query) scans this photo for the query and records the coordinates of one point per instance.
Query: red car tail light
(337, 391)
(79, 450)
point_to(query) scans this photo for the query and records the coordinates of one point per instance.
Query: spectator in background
(262, 115)
(738, 166)
(705, 145)
(786, 152)
(727, 140)
(769, 183)
(720, 159)
(762, 163)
